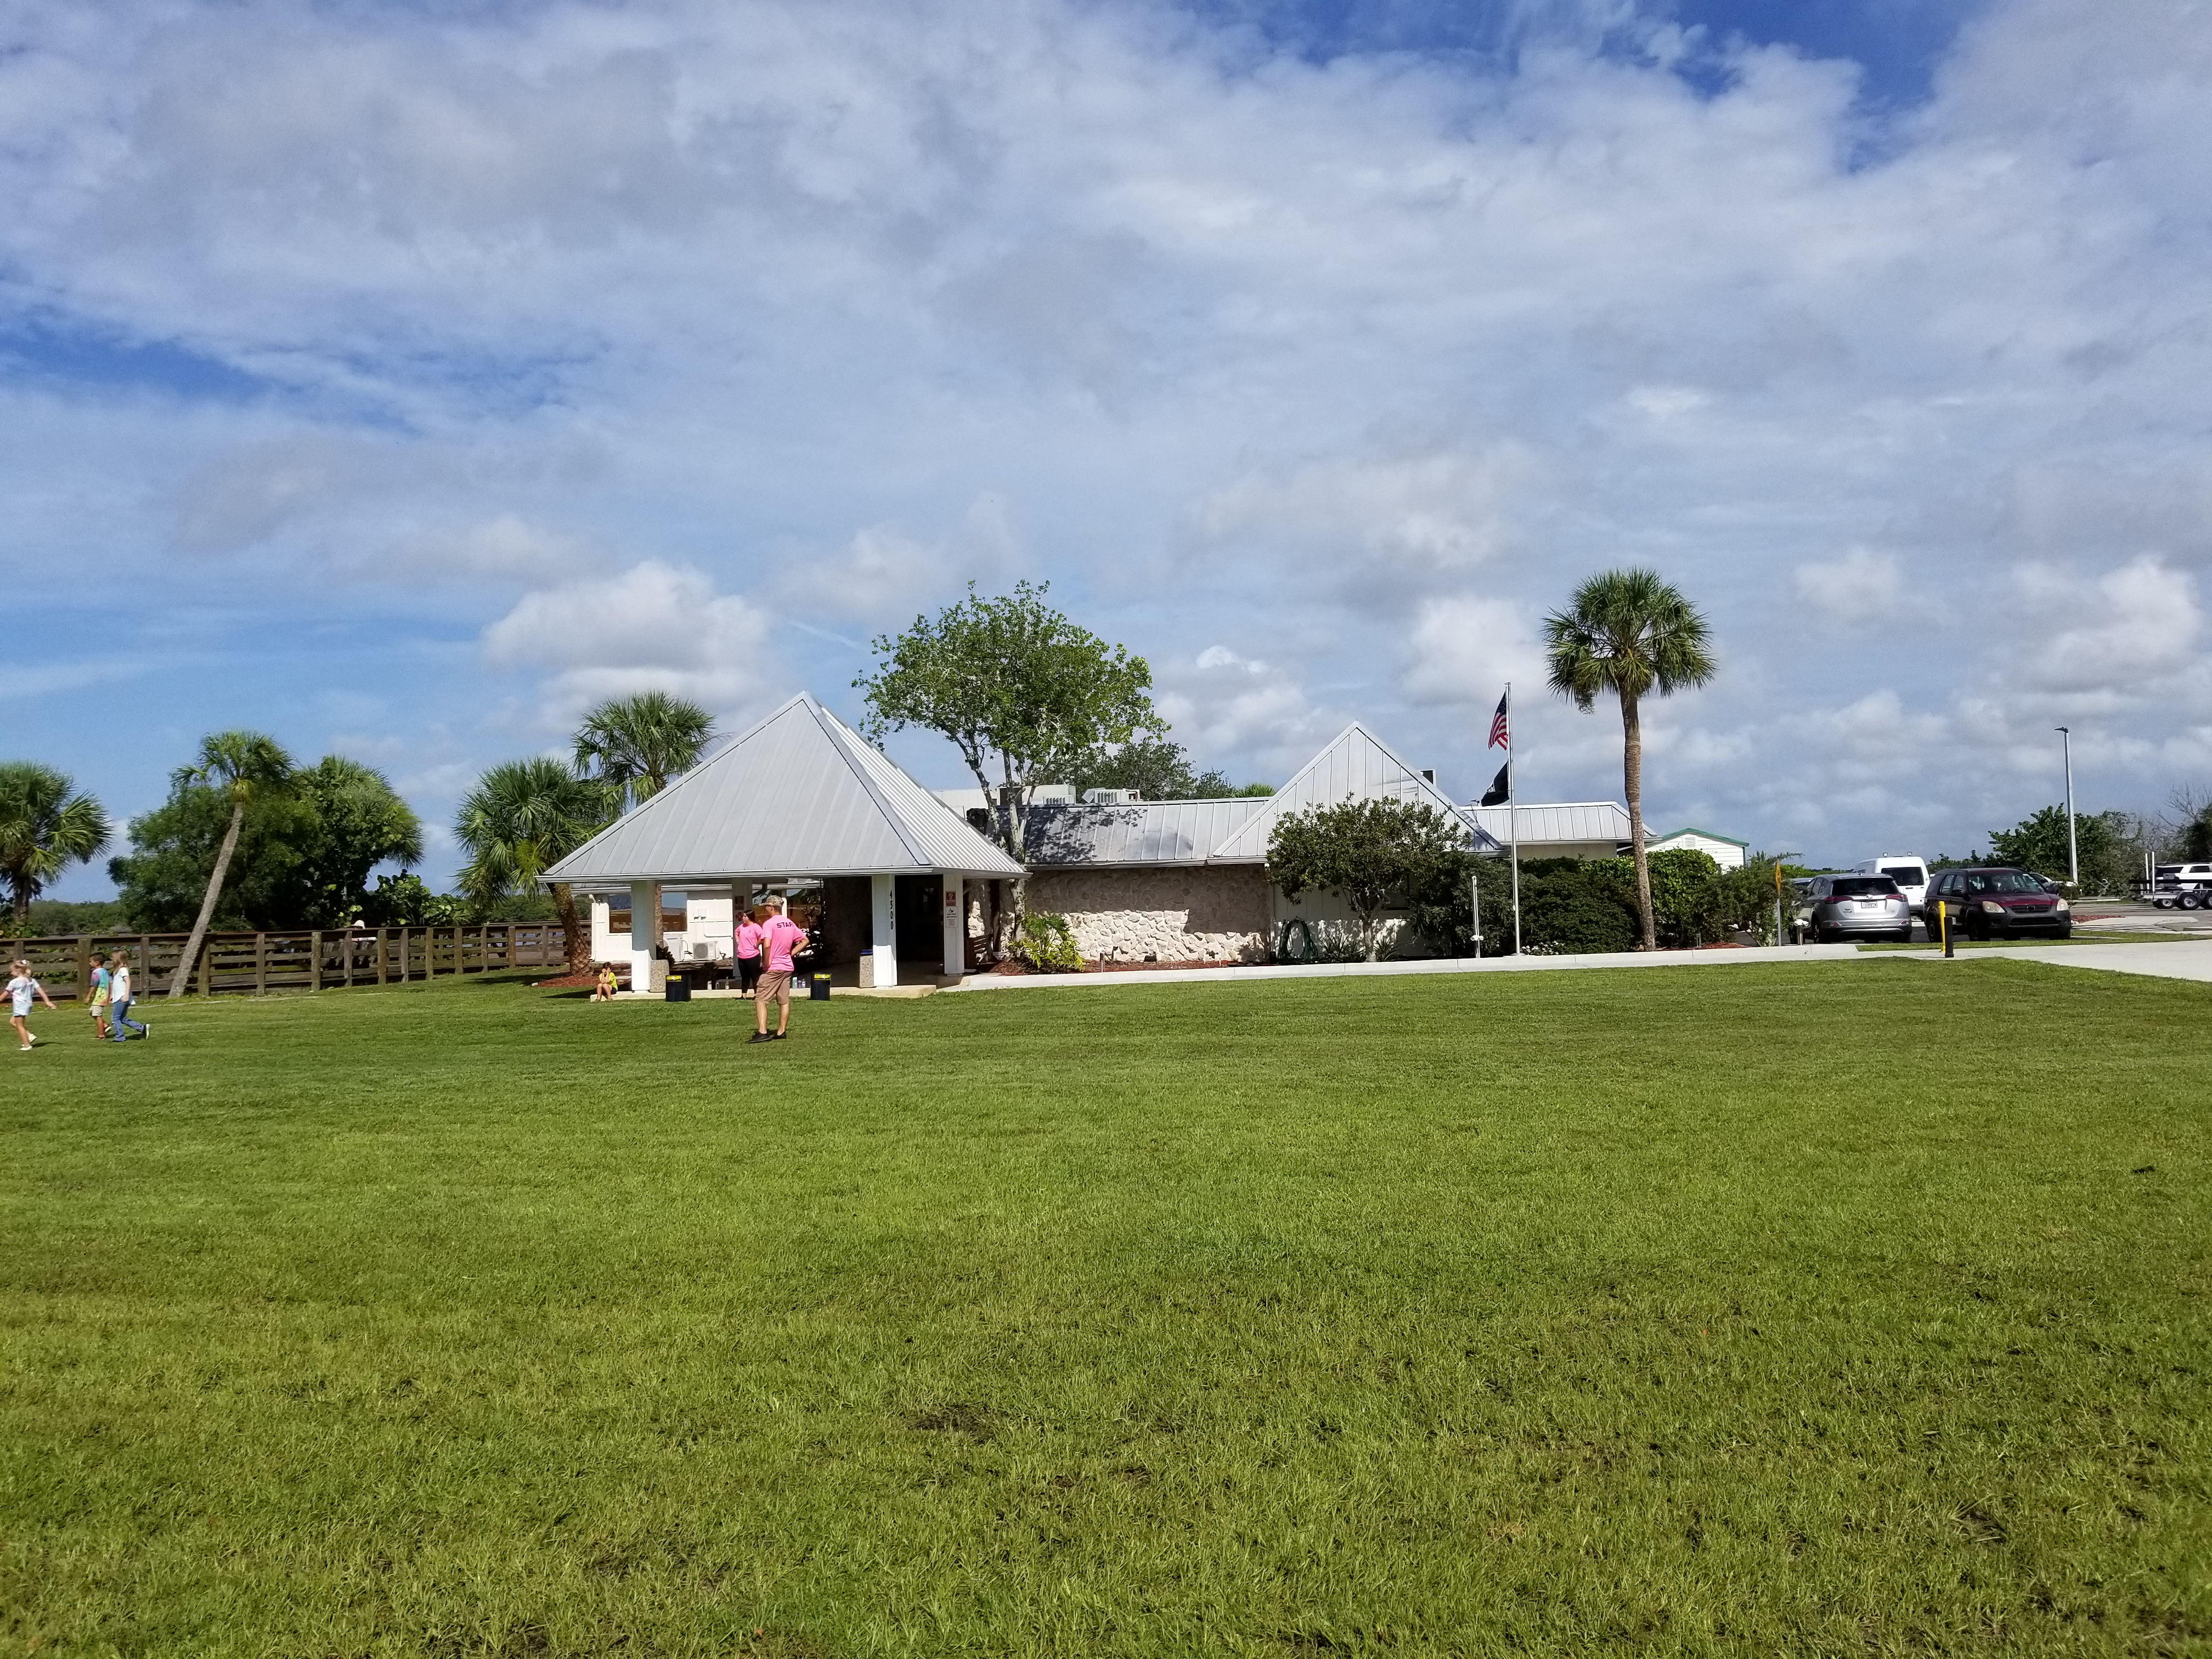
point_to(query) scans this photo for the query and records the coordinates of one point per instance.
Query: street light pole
(2072, 859)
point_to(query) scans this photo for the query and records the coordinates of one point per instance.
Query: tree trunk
(575, 937)
(1631, 768)
(208, 903)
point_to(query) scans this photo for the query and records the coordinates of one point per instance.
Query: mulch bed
(569, 981)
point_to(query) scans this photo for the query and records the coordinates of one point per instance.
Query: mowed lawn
(1820, 1309)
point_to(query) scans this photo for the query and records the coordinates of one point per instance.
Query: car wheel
(2067, 932)
(2187, 901)
(1905, 938)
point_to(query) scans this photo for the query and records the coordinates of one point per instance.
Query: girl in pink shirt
(750, 934)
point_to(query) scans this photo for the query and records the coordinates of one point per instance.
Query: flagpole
(1513, 817)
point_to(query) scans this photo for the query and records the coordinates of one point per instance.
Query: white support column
(883, 932)
(954, 905)
(644, 933)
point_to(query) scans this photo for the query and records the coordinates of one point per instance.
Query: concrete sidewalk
(1455, 965)
(2182, 959)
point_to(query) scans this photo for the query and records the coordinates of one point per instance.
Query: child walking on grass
(95, 995)
(22, 987)
(118, 992)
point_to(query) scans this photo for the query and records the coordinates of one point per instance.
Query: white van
(1908, 870)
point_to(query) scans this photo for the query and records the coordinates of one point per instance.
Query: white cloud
(1465, 648)
(1225, 706)
(1864, 586)
(1375, 518)
(1289, 353)
(654, 627)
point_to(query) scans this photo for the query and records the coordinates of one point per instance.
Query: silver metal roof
(1356, 766)
(800, 794)
(1144, 832)
(1556, 821)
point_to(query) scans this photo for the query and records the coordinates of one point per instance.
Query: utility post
(2073, 858)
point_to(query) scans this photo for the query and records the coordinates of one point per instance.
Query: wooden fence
(257, 963)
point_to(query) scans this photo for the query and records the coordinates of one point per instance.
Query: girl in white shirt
(22, 988)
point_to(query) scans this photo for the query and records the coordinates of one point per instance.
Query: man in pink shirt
(748, 947)
(780, 938)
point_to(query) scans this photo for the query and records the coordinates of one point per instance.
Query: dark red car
(1997, 902)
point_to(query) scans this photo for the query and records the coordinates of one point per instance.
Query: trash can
(679, 988)
(818, 988)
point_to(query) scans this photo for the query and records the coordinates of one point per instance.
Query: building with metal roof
(1558, 830)
(1186, 880)
(800, 797)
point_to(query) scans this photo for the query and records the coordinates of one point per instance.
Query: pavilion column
(644, 933)
(956, 924)
(883, 927)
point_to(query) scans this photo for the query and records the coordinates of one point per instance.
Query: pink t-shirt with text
(784, 936)
(750, 934)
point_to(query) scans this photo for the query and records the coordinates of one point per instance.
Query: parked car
(1834, 907)
(1997, 902)
(1908, 870)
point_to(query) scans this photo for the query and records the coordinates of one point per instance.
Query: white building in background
(1724, 850)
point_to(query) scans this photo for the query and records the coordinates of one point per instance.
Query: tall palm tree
(46, 826)
(632, 745)
(246, 766)
(520, 817)
(1630, 632)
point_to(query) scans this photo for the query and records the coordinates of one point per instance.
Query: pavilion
(800, 799)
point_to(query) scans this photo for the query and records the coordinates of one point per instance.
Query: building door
(920, 928)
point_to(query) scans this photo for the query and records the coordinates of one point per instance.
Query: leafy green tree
(1375, 852)
(2108, 846)
(1017, 688)
(1156, 768)
(520, 817)
(632, 745)
(1631, 634)
(46, 826)
(53, 918)
(355, 821)
(1747, 896)
(240, 766)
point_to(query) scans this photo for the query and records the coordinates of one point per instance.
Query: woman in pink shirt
(780, 938)
(751, 933)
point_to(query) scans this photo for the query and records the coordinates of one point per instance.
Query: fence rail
(255, 964)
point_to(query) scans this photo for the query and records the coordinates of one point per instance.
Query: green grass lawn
(1837, 1308)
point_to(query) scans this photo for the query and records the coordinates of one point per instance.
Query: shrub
(1047, 944)
(1574, 913)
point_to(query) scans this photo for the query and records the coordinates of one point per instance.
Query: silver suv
(1832, 908)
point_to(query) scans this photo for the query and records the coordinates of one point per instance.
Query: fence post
(402, 956)
(206, 967)
(261, 964)
(349, 937)
(383, 940)
(315, 960)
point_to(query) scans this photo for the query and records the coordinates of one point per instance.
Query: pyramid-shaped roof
(799, 795)
(1356, 766)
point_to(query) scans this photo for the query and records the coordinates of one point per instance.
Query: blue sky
(399, 380)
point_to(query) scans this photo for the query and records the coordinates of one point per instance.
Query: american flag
(1499, 738)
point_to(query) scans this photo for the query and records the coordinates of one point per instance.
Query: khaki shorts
(774, 987)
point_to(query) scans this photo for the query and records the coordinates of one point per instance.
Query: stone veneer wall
(1179, 914)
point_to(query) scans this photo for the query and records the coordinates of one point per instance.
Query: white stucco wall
(1197, 914)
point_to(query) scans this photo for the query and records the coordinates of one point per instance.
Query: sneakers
(759, 1036)
(778, 1036)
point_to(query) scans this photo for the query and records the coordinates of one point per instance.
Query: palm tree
(632, 745)
(520, 817)
(244, 766)
(46, 826)
(1630, 632)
